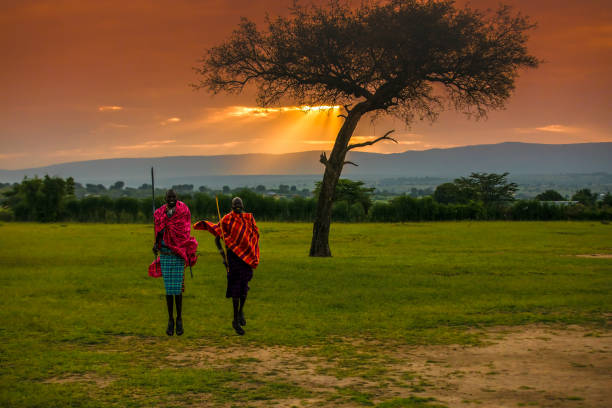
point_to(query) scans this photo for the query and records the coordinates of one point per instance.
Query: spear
(222, 236)
(153, 191)
(153, 202)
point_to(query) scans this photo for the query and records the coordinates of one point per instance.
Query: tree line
(480, 196)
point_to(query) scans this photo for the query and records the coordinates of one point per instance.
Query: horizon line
(298, 152)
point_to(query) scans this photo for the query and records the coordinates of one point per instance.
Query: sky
(84, 80)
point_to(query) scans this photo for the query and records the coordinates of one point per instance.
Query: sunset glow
(99, 91)
(110, 108)
(263, 112)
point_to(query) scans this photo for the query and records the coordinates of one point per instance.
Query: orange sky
(85, 80)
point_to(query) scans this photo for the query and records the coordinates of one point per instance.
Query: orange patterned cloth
(241, 235)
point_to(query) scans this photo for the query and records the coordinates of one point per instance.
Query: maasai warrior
(178, 249)
(242, 242)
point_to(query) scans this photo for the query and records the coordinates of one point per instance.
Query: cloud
(11, 155)
(77, 153)
(171, 120)
(318, 141)
(550, 129)
(151, 144)
(250, 112)
(557, 129)
(110, 108)
(211, 145)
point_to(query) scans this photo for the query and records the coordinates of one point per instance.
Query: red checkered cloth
(177, 230)
(241, 235)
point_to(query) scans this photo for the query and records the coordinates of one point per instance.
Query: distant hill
(241, 169)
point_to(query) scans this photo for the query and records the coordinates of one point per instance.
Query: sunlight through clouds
(170, 120)
(550, 129)
(211, 145)
(110, 108)
(263, 112)
(249, 112)
(557, 129)
(152, 144)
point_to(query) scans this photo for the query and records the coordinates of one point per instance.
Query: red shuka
(241, 235)
(177, 232)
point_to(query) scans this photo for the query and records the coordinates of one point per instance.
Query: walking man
(242, 243)
(177, 249)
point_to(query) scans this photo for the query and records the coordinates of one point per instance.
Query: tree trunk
(333, 168)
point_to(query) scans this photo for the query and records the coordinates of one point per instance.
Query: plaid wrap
(173, 268)
(241, 235)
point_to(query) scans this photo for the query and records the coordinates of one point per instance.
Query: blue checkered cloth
(173, 268)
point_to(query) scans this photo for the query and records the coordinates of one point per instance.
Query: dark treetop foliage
(350, 191)
(487, 187)
(401, 56)
(585, 197)
(550, 195)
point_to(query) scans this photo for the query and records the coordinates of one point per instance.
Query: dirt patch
(289, 364)
(535, 366)
(604, 256)
(520, 366)
(101, 382)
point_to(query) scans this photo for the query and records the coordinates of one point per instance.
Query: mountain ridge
(512, 157)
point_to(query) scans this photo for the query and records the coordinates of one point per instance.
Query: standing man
(178, 249)
(242, 242)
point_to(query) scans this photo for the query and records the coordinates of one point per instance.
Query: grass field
(83, 325)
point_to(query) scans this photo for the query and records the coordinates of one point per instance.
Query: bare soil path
(538, 366)
(531, 366)
(534, 366)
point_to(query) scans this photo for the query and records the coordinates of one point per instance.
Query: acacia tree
(487, 187)
(406, 58)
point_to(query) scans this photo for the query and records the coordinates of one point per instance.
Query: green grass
(77, 301)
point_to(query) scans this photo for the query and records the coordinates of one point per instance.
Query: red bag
(155, 269)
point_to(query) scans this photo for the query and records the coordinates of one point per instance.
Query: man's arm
(158, 240)
(220, 248)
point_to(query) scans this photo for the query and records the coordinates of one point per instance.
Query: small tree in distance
(585, 197)
(550, 195)
(449, 193)
(405, 58)
(487, 187)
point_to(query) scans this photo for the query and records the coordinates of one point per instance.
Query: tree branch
(323, 159)
(371, 142)
(350, 162)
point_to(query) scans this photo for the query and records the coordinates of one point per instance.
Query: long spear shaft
(222, 236)
(153, 189)
(153, 203)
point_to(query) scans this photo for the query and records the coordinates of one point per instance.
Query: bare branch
(371, 142)
(323, 159)
(350, 162)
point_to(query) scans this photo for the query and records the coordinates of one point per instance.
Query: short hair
(237, 201)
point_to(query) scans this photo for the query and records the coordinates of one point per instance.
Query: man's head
(237, 205)
(171, 198)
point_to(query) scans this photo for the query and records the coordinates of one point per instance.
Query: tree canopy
(550, 195)
(350, 191)
(487, 187)
(585, 197)
(398, 56)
